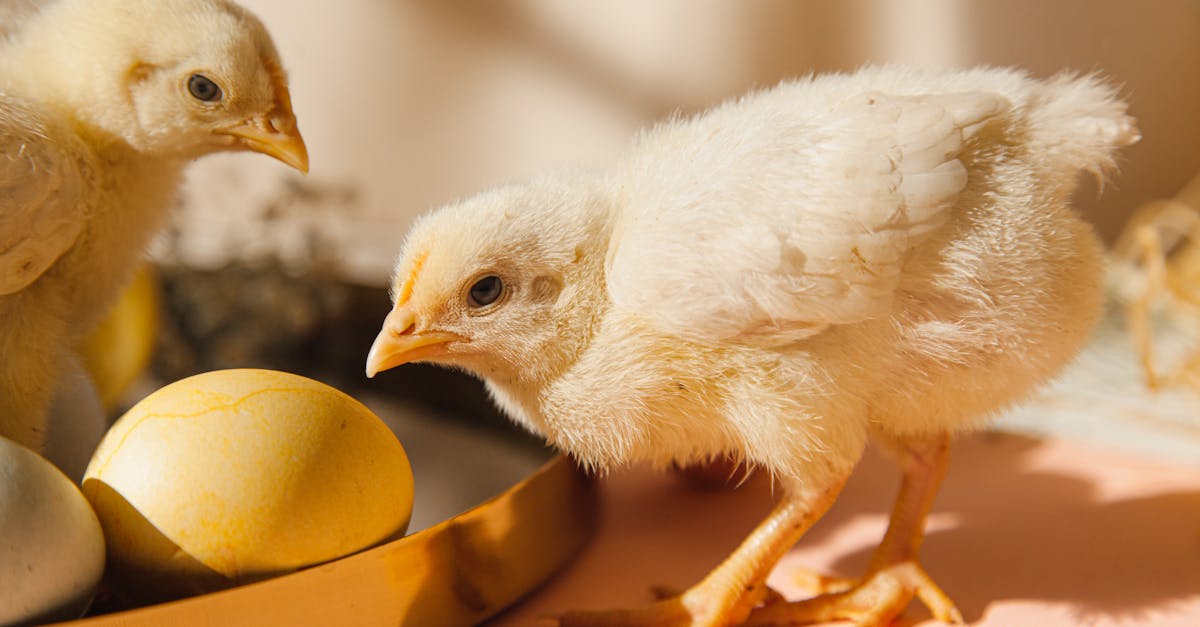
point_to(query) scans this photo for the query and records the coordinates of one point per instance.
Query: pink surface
(1025, 532)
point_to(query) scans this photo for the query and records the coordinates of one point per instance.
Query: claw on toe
(876, 602)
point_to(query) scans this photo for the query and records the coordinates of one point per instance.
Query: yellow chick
(886, 254)
(102, 104)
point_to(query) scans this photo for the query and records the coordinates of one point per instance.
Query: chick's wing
(769, 224)
(40, 188)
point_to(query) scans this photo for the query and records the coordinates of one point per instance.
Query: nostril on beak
(281, 123)
(409, 330)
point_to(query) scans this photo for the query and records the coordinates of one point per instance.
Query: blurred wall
(408, 104)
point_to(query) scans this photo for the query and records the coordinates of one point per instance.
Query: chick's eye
(203, 88)
(485, 291)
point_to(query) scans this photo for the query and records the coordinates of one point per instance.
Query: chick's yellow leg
(894, 575)
(728, 594)
(1148, 247)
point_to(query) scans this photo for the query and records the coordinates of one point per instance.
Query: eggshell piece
(236, 475)
(51, 545)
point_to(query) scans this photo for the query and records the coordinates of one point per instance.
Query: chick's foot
(664, 593)
(731, 591)
(895, 575)
(690, 609)
(720, 600)
(881, 597)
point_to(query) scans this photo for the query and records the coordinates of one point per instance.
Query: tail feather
(1080, 122)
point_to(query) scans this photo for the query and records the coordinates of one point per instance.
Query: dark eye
(485, 291)
(202, 88)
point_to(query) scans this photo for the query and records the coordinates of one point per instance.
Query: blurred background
(409, 104)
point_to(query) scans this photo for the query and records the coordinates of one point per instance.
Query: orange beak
(399, 342)
(274, 134)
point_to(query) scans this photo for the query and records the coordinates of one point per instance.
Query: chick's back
(889, 249)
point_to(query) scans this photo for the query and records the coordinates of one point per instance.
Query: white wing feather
(40, 187)
(770, 221)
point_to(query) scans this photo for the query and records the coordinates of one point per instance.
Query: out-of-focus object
(1155, 270)
(454, 574)
(51, 547)
(237, 475)
(76, 421)
(118, 350)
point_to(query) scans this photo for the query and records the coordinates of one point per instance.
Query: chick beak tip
(370, 368)
(398, 343)
(286, 144)
(272, 138)
(300, 161)
(375, 357)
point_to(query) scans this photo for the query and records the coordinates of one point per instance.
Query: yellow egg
(119, 348)
(51, 548)
(237, 475)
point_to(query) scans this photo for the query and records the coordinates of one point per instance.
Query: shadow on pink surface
(1104, 538)
(1025, 532)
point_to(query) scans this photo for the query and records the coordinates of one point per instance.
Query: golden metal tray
(458, 572)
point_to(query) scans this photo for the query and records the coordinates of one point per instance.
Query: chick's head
(175, 78)
(503, 285)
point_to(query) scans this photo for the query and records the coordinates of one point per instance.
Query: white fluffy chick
(102, 104)
(888, 254)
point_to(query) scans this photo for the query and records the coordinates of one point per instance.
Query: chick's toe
(875, 602)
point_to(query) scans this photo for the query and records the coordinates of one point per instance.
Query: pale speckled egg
(236, 475)
(51, 546)
(75, 421)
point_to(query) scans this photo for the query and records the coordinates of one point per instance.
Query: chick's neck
(520, 382)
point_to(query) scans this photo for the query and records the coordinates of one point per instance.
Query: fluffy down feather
(98, 118)
(816, 207)
(40, 173)
(886, 250)
(885, 253)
